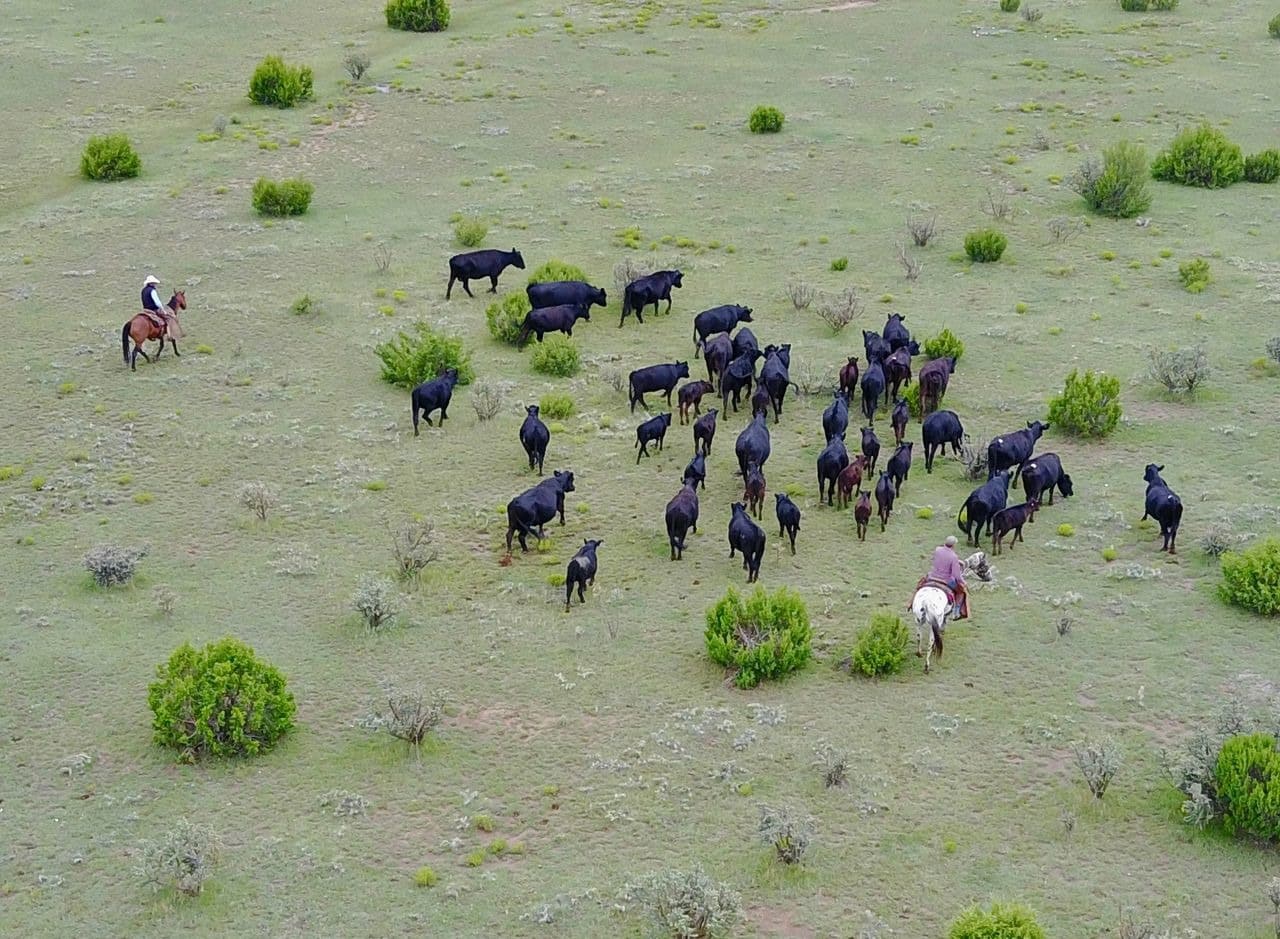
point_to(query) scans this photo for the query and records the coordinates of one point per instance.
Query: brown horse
(142, 328)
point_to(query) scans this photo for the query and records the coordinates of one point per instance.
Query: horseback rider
(948, 573)
(151, 302)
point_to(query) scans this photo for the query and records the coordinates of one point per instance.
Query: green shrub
(425, 877)
(1200, 156)
(470, 232)
(505, 317)
(1002, 921)
(1089, 405)
(840, 264)
(280, 85)
(1164, 4)
(556, 355)
(911, 394)
(881, 648)
(1251, 578)
(1135, 6)
(283, 198)
(409, 360)
(1247, 778)
(109, 158)
(219, 701)
(1010, 6)
(556, 270)
(944, 345)
(985, 245)
(556, 406)
(419, 16)
(1194, 275)
(764, 637)
(1116, 186)
(765, 119)
(1263, 167)
(1274, 27)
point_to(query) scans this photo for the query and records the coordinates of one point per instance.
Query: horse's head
(977, 563)
(178, 301)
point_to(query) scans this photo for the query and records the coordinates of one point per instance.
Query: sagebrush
(1180, 370)
(112, 565)
(789, 831)
(1098, 761)
(406, 714)
(182, 859)
(763, 637)
(684, 904)
(376, 601)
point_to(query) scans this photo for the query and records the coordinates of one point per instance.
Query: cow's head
(712, 412)
(591, 544)
(516, 259)
(1037, 428)
(600, 297)
(665, 419)
(1065, 485)
(450, 375)
(677, 279)
(682, 369)
(532, 410)
(565, 479)
(1152, 474)
(744, 314)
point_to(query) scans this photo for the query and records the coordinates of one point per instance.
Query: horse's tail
(124, 340)
(937, 636)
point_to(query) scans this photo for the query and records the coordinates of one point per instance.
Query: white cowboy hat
(951, 541)
(151, 279)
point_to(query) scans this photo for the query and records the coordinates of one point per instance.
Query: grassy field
(603, 742)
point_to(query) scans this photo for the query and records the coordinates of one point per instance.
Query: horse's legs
(161, 349)
(174, 343)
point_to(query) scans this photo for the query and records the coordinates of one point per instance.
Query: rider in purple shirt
(948, 569)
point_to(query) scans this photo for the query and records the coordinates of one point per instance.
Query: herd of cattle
(731, 359)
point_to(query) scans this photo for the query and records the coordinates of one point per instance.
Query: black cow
(649, 289)
(581, 571)
(899, 466)
(717, 352)
(872, 388)
(884, 498)
(933, 380)
(783, 352)
(776, 377)
(897, 335)
(737, 377)
(788, 518)
(690, 396)
(898, 419)
(534, 437)
(835, 419)
(831, 463)
(744, 340)
(870, 448)
(704, 431)
(939, 429)
(1011, 520)
(697, 470)
(565, 293)
(753, 444)
(897, 370)
(874, 346)
(654, 429)
(533, 508)
(662, 378)
(1010, 451)
(476, 264)
(749, 538)
(719, 319)
(982, 504)
(760, 401)
(1041, 474)
(552, 319)
(1164, 507)
(682, 517)
(433, 394)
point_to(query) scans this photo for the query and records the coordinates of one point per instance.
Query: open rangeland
(603, 742)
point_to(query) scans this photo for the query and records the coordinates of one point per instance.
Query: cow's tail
(697, 342)
(525, 328)
(626, 301)
(413, 403)
(124, 341)
(967, 523)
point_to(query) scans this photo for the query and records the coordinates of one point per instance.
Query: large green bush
(556, 355)
(418, 16)
(506, 316)
(1002, 921)
(766, 636)
(556, 270)
(555, 406)
(1262, 167)
(281, 199)
(1089, 405)
(110, 158)
(219, 701)
(985, 245)
(1117, 186)
(1274, 27)
(1247, 776)
(881, 648)
(1200, 156)
(278, 84)
(1251, 578)
(409, 360)
(944, 345)
(765, 119)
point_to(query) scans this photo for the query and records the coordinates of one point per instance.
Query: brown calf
(1011, 520)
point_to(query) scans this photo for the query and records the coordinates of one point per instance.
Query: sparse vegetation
(840, 309)
(765, 637)
(258, 498)
(556, 355)
(684, 904)
(181, 860)
(787, 830)
(922, 229)
(765, 119)
(800, 294)
(220, 701)
(418, 16)
(406, 714)
(486, 400)
(1116, 185)
(109, 158)
(881, 647)
(279, 85)
(1251, 578)
(1089, 405)
(282, 199)
(1099, 761)
(410, 359)
(356, 64)
(1180, 370)
(1200, 156)
(112, 565)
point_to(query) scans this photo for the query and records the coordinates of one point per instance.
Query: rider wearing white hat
(948, 571)
(151, 296)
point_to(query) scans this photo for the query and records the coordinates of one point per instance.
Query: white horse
(930, 604)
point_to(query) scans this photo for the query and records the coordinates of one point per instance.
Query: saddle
(157, 318)
(927, 581)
